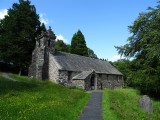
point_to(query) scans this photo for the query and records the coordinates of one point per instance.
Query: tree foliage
(91, 53)
(61, 46)
(78, 44)
(17, 33)
(127, 67)
(144, 47)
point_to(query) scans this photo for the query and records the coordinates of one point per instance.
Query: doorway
(92, 82)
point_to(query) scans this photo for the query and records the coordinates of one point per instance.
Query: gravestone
(146, 103)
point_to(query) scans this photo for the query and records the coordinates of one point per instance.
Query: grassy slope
(33, 100)
(122, 104)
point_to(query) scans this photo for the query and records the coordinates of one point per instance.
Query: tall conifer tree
(17, 34)
(78, 44)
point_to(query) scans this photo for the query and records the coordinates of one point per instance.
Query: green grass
(22, 78)
(33, 100)
(123, 104)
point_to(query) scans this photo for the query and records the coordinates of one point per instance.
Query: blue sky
(104, 23)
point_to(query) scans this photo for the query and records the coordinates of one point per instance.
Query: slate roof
(72, 62)
(83, 75)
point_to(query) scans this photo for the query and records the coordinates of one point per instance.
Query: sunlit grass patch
(29, 100)
(123, 104)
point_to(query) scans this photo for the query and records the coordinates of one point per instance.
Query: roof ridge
(82, 56)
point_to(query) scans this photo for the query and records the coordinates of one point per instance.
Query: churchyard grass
(28, 99)
(123, 104)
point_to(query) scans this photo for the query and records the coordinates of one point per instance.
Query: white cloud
(60, 37)
(115, 58)
(43, 19)
(3, 13)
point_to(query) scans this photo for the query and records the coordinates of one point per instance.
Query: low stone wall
(79, 83)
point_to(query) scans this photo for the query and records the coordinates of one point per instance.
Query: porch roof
(82, 76)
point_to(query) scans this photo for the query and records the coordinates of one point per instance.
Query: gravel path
(5, 75)
(93, 109)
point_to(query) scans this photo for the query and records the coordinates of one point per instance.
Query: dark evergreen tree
(91, 53)
(43, 27)
(78, 44)
(17, 34)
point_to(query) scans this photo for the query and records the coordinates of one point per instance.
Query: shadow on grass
(8, 85)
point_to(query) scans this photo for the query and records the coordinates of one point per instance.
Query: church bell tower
(40, 55)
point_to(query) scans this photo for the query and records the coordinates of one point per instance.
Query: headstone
(146, 103)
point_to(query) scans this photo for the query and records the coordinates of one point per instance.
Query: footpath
(93, 109)
(5, 75)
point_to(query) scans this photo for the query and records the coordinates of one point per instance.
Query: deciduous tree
(144, 47)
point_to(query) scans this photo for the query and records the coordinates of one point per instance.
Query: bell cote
(46, 39)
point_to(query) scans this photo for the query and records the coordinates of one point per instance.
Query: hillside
(34, 100)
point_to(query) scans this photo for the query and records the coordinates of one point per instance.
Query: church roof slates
(72, 62)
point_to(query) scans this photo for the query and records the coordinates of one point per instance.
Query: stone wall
(109, 81)
(115, 81)
(101, 81)
(79, 83)
(45, 68)
(88, 83)
(39, 67)
(53, 70)
(33, 68)
(40, 62)
(36, 66)
(63, 76)
(120, 81)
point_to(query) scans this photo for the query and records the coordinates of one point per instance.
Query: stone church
(70, 69)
